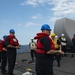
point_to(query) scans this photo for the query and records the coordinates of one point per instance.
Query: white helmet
(62, 34)
(56, 36)
(32, 38)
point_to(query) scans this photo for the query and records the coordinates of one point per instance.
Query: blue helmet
(4, 36)
(12, 31)
(73, 34)
(45, 27)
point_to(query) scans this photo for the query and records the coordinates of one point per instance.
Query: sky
(27, 16)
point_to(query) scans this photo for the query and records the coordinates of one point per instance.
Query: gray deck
(67, 65)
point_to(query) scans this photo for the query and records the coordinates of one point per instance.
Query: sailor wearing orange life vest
(0, 51)
(12, 45)
(44, 52)
(4, 56)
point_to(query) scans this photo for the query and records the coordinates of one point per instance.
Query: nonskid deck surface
(24, 64)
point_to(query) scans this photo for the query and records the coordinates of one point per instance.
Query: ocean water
(23, 48)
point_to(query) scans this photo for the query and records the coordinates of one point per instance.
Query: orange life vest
(40, 47)
(13, 40)
(1, 46)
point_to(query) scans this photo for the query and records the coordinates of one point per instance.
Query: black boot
(58, 64)
(4, 72)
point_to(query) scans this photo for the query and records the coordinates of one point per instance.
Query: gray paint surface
(65, 26)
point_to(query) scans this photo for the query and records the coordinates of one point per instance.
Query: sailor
(57, 45)
(73, 49)
(12, 45)
(44, 52)
(4, 56)
(0, 52)
(63, 43)
(32, 47)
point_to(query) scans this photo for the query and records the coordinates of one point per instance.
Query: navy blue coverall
(44, 62)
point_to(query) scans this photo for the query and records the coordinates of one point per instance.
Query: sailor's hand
(17, 47)
(60, 51)
(11, 46)
(4, 49)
